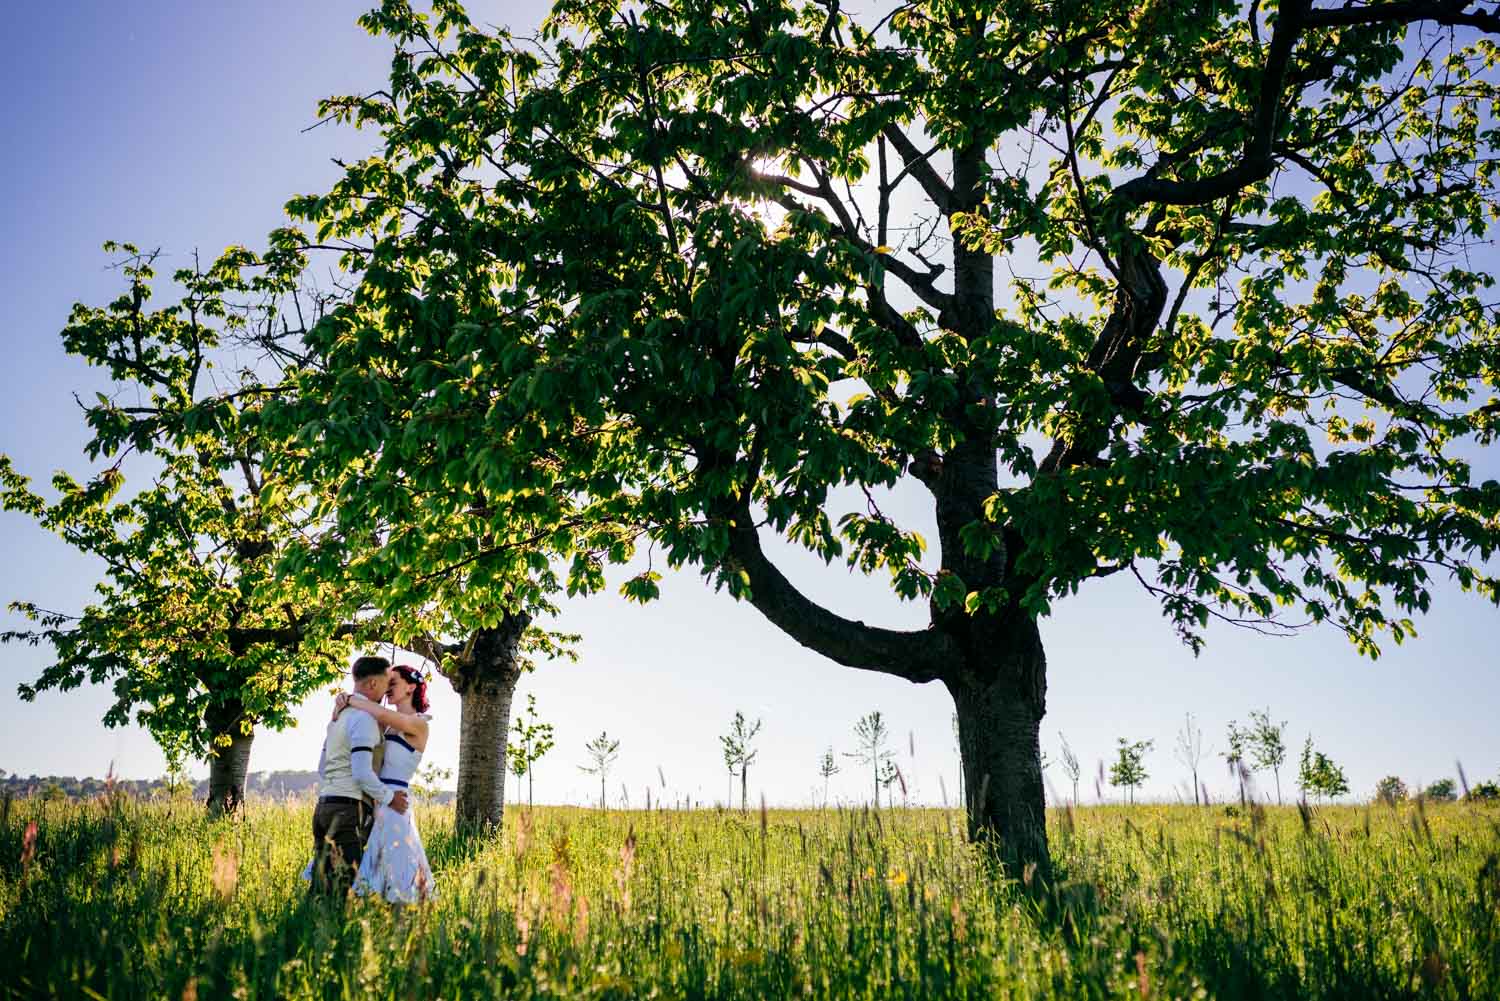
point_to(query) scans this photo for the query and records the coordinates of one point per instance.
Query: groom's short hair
(369, 667)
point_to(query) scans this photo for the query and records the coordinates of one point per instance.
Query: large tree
(199, 637)
(1189, 292)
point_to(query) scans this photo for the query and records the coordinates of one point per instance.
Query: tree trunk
(228, 765)
(1000, 703)
(486, 682)
(744, 789)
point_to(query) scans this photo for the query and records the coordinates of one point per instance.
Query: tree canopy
(1190, 292)
(198, 634)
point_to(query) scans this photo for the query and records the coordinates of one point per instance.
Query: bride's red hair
(413, 677)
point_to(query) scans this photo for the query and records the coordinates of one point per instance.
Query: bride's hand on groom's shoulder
(339, 703)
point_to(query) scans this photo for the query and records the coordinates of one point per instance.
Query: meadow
(116, 898)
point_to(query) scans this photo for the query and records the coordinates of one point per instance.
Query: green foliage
(1267, 745)
(646, 266)
(530, 739)
(199, 637)
(1317, 773)
(685, 275)
(738, 753)
(1442, 791)
(1390, 790)
(1239, 740)
(1483, 792)
(126, 902)
(828, 767)
(1129, 767)
(429, 782)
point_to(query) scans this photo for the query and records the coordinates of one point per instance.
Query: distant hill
(267, 785)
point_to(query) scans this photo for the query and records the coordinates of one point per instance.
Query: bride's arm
(408, 723)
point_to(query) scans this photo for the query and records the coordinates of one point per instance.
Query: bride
(395, 863)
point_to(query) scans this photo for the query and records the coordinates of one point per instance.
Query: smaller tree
(738, 753)
(1071, 766)
(1189, 751)
(1390, 790)
(175, 783)
(890, 774)
(1238, 740)
(872, 733)
(1483, 792)
(532, 739)
(429, 782)
(1267, 745)
(1317, 774)
(602, 753)
(1129, 768)
(1443, 791)
(828, 767)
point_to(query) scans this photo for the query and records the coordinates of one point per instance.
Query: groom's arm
(364, 734)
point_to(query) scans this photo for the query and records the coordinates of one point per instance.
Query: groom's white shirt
(346, 767)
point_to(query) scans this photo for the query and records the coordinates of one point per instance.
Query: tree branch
(916, 656)
(919, 165)
(1447, 12)
(1257, 162)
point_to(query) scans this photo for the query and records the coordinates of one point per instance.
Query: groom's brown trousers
(341, 825)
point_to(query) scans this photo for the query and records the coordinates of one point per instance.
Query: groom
(348, 787)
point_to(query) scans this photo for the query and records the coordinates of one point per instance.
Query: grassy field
(126, 900)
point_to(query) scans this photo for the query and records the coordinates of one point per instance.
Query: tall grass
(131, 900)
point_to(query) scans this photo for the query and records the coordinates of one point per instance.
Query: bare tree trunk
(228, 765)
(486, 682)
(1000, 704)
(744, 793)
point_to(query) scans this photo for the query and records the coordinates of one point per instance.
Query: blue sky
(181, 126)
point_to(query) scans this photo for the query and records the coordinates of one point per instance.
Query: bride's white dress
(395, 863)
